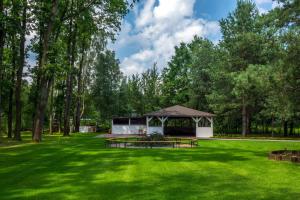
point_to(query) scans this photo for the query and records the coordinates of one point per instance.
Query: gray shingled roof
(179, 111)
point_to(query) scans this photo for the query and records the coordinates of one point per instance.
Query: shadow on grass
(81, 168)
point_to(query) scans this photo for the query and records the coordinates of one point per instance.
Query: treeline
(60, 36)
(250, 79)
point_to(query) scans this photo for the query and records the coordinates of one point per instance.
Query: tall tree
(71, 54)
(243, 40)
(21, 63)
(106, 83)
(45, 79)
(12, 83)
(79, 98)
(175, 77)
(2, 36)
(151, 89)
(204, 58)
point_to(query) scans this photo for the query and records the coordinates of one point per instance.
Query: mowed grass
(80, 167)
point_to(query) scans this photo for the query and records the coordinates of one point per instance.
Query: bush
(154, 137)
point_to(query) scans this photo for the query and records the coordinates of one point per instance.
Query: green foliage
(153, 137)
(175, 78)
(106, 84)
(251, 77)
(151, 89)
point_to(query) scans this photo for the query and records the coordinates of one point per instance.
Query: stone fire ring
(285, 155)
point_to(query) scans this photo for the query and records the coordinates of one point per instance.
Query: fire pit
(285, 155)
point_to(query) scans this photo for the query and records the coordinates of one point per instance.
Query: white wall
(126, 129)
(135, 129)
(87, 129)
(204, 132)
(154, 129)
(83, 129)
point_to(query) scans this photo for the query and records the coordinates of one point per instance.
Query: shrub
(154, 137)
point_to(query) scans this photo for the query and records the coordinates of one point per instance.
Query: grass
(256, 136)
(79, 167)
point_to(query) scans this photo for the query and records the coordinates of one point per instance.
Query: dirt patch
(285, 155)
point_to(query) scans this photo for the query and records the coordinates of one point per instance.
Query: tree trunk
(51, 110)
(11, 90)
(68, 106)
(292, 128)
(10, 113)
(245, 119)
(79, 92)
(71, 56)
(248, 131)
(40, 111)
(2, 34)
(43, 89)
(60, 122)
(17, 135)
(285, 128)
(272, 124)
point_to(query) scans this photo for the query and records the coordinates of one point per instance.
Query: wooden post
(112, 124)
(129, 122)
(210, 119)
(162, 119)
(197, 120)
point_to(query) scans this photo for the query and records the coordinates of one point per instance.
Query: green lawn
(79, 167)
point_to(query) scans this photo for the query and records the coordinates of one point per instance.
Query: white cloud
(157, 30)
(262, 4)
(146, 14)
(259, 2)
(173, 10)
(276, 4)
(124, 37)
(131, 66)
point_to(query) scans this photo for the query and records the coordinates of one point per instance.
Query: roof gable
(179, 111)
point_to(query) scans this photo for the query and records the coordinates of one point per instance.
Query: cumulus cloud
(173, 10)
(158, 28)
(145, 14)
(264, 5)
(259, 2)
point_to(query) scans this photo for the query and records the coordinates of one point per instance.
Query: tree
(150, 85)
(135, 93)
(21, 63)
(175, 78)
(282, 100)
(71, 54)
(2, 42)
(204, 58)
(56, 16)
(244, 42)
(44, 74)
(106, 84)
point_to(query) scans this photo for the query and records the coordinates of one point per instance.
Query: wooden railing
(139, 142)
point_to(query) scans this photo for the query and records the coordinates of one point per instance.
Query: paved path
(116, 135)
(249, 139)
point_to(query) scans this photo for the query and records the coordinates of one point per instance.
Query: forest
(250, 78)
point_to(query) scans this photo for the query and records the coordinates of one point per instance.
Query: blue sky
(152, 29)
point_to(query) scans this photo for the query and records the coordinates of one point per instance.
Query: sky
(152, 29)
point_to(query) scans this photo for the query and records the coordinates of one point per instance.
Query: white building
(172, 121)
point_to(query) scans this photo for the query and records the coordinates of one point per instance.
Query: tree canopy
(250, 78)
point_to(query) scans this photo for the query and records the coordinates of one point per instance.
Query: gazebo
(202, 121)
